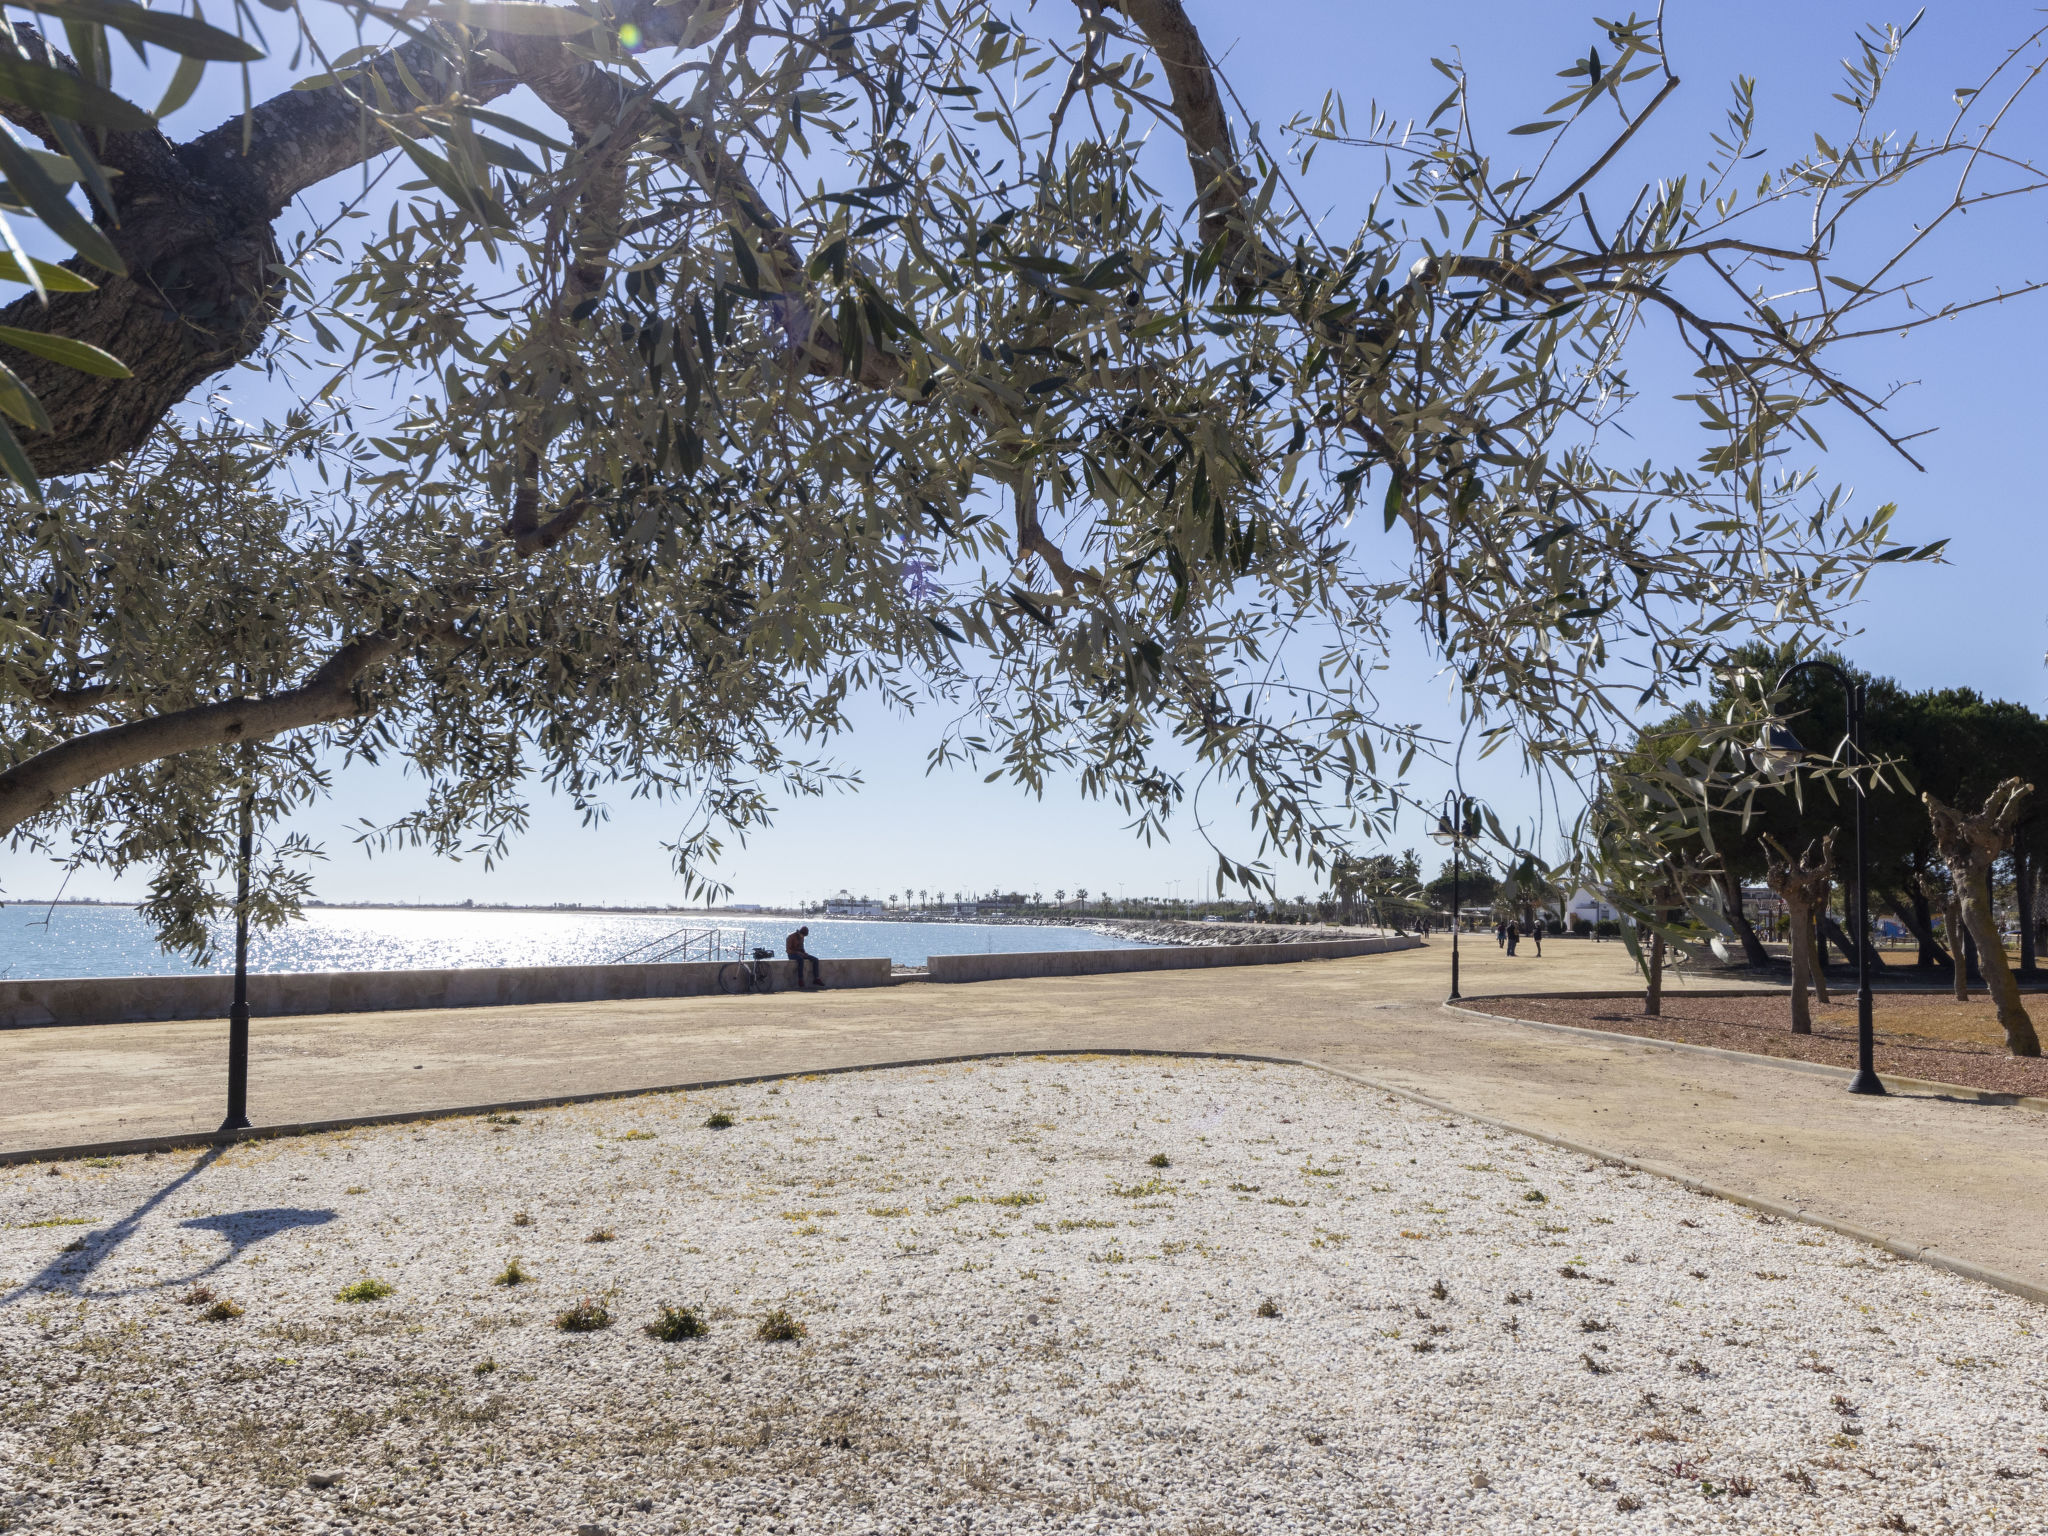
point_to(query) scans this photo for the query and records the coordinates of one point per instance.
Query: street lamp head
(1445, 833)
(1777, 751)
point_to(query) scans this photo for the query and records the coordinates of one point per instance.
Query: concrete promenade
(1961, 1177)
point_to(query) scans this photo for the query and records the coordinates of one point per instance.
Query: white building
(1590, 907)
(851, 908)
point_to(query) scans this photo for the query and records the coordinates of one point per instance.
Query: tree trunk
(1802, 968)
(1753, 951)
(1816, 957)
(1971, 969)
(1653, 1000)
(2024, 876)
(1970, 843)
(1802, 1012)
(1981, 923)
(1834, 931)
(1802, 884)
(1960, 963)
(1919, 920)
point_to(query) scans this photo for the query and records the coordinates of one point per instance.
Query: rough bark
(1803, 885)
(1802, 968)
(1970, 841)
(1805, 933)
(195, 230)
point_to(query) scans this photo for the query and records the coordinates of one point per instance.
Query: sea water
(45, 941)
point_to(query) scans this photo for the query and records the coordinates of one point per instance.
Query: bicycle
(753, 975)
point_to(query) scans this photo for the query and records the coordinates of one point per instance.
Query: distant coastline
(445, 906)
(734, 914)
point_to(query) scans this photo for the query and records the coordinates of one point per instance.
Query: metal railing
(687, 944)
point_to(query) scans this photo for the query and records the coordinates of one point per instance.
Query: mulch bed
(1763, 1025)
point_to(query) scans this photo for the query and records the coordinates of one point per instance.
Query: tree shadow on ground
(70, 1272)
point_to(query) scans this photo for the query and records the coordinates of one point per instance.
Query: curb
(1755, 989)
(2032, 1102)
(2013, 1285)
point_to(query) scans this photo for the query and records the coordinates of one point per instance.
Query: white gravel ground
(1015, 1323)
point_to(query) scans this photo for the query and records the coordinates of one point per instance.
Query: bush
(778, 1327)
(513, 1273)
(1267, 1308)
(222, 1311)
(719, 1121)
(1581, 926)
(586, 1316)
(1159, 1160)
(1608, 929)
(672, 1325)
(602, 1235)
(364, 1290)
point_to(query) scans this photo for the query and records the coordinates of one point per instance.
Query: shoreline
(1159, 929)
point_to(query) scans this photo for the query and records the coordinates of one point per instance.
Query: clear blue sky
(1977, 621)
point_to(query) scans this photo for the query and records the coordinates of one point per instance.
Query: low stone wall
(145, 999)
(1104, 962)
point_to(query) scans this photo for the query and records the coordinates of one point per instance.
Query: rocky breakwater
(1176, 931)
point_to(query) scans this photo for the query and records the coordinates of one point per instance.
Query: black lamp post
(1451, 829)
(238, 1013)
(1780, 749)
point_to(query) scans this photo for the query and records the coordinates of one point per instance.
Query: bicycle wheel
(735, 979)
(764, 978)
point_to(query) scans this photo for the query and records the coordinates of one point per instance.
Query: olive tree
(753, 353)
(1970, 841)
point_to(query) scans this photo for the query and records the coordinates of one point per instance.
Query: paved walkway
(1962, 1177)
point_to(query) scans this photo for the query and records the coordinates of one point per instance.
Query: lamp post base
(238, 1063)
(1866, 1041)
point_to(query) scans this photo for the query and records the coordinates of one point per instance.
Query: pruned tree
(787, 349)
(1970, 841)
(1804, 885)
(1964, 949)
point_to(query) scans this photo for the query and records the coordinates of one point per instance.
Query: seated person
(794, 947)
